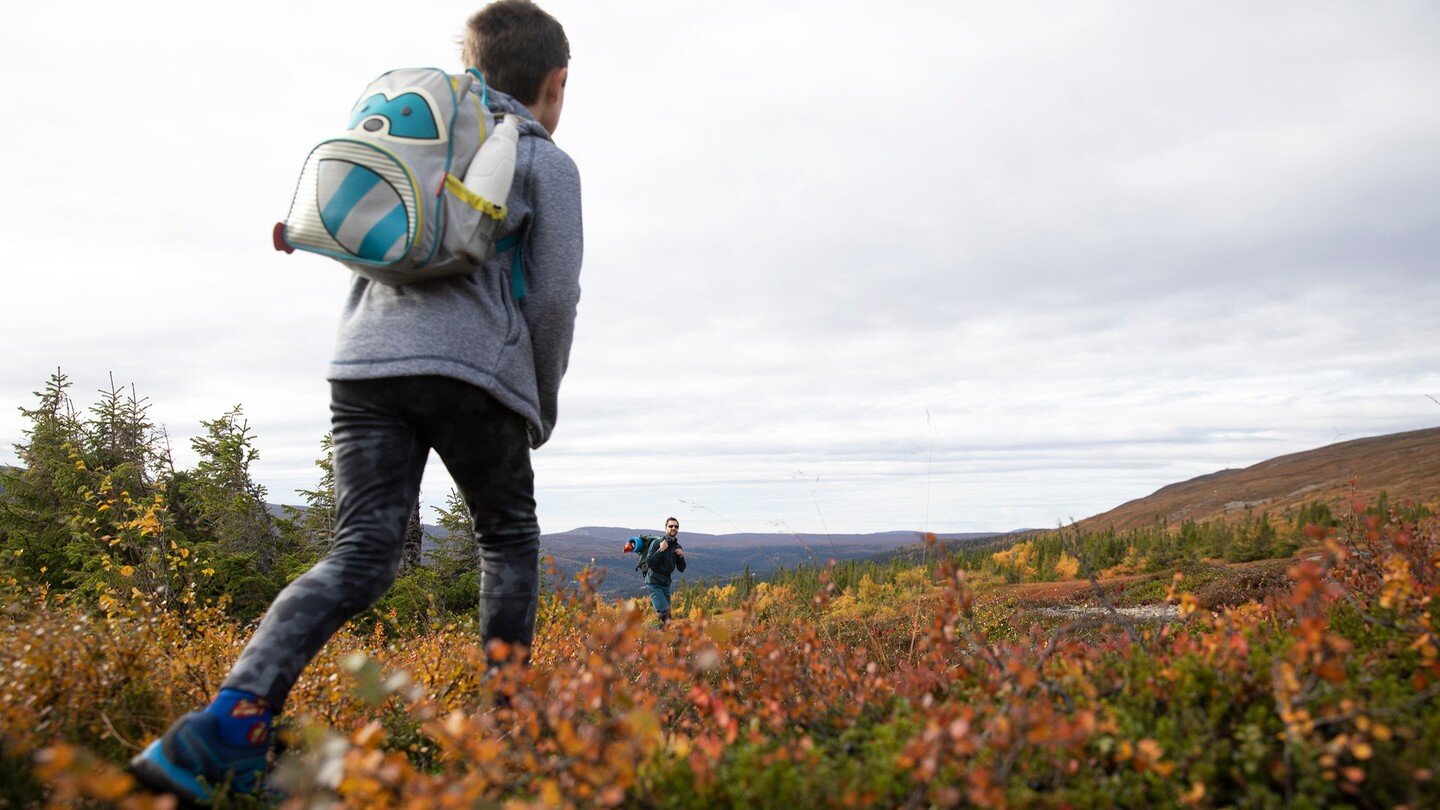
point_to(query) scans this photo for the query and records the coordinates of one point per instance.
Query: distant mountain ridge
(724, 555)
(708, 556)
(1405, 466)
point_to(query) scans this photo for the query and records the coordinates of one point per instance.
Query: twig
(929, 469)
(1065, 630)
(815, 499)
(116, 734)
(1124, 621)
(1288, 738)
(1420, 697)
(809, 551)
(775, 561)
(1012, 756)
(986, 650)
(1369, 619)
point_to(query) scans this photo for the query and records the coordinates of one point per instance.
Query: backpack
(384, 198)
(645, 545)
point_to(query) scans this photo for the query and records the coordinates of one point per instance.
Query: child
(453, 364)
(660, 562)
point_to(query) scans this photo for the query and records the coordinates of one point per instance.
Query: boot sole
(156, 772)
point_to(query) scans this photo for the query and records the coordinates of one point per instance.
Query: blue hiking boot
(193, 762)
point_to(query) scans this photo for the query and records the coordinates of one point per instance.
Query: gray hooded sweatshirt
(470, 327)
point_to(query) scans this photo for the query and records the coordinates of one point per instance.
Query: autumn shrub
(1158, 549)
(1197, 576)
(903, 691)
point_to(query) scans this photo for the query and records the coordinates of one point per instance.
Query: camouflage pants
(384, 430)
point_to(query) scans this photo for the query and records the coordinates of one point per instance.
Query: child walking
(456, 365)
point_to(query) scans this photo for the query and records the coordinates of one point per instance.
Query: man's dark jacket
(664, 563)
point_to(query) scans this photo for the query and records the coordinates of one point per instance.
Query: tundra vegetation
(1303, 668)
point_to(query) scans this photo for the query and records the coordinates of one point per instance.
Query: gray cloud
(1019, 263)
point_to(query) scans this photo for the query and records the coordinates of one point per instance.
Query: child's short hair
(516, 45)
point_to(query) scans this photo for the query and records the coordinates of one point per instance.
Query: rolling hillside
(1406, 466)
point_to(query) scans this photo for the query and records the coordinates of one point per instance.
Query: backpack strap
(484, 86)
(517, 264)
(646, 551)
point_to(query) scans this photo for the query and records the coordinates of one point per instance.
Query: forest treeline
(98, 507)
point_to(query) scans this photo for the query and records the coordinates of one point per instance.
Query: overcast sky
(848, 266)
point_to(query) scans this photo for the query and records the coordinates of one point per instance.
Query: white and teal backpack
(386, 198)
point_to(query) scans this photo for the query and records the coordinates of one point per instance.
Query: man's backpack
(645, 545)
(386, 197)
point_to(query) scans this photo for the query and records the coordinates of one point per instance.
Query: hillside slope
(1406, 466)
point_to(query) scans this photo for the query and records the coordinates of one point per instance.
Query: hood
(505, 103)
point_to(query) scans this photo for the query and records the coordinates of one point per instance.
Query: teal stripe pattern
(380, 238)
(353, 188)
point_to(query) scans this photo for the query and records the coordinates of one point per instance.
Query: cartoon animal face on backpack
(383, 198)
(407, 116)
